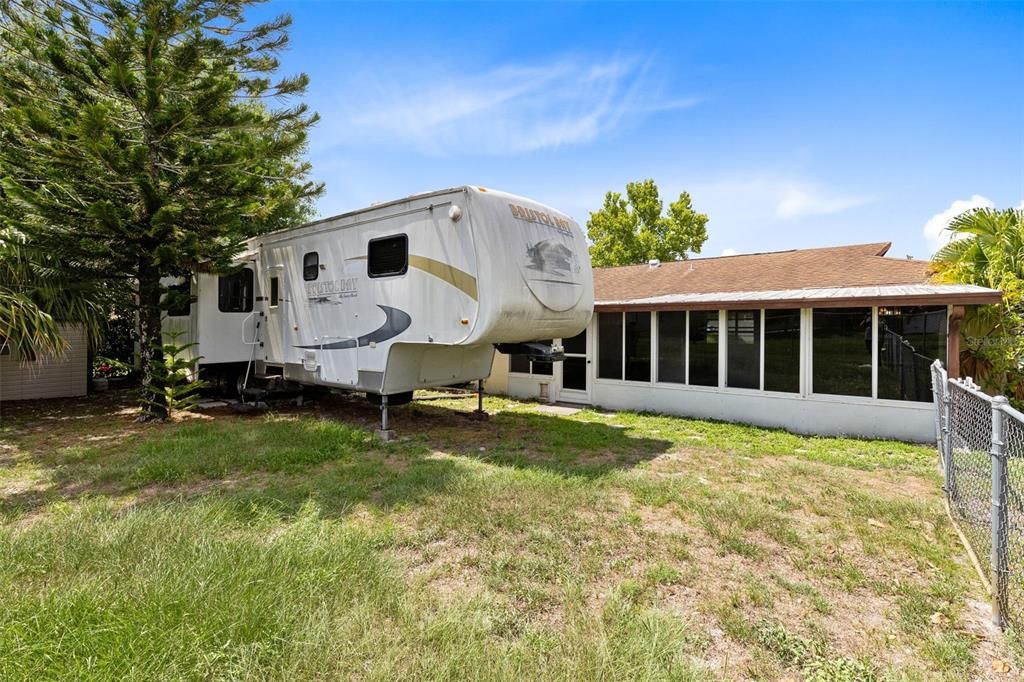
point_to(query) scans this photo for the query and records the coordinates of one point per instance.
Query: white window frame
(723, 359)
(656, 349)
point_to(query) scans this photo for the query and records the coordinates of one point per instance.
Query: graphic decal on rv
(551, 257)
(460, 279)
(332, 290)
(396, 321)
(531, 215)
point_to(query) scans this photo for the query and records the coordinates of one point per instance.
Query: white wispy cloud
(799, 200)
(935, 231)
(729, 252)
(503, 110)
(775, 196)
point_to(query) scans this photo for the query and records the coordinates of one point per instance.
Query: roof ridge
(882, 250)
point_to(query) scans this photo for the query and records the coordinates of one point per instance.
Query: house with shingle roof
(834, 340)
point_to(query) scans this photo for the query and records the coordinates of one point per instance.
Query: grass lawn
(292, 545)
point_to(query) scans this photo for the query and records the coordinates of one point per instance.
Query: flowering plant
(108, 368)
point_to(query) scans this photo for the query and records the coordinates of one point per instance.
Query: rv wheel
(239, 383)
(394, 399)
(221, 383)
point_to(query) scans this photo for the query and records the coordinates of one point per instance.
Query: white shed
(48, 377)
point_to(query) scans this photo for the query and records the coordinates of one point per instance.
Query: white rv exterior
(399, 296)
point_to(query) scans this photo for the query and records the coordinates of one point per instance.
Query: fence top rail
(1012, 412)
(970, 388)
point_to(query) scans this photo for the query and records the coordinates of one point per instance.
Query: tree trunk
(153, 400)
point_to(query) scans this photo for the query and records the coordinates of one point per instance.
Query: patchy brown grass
(589, 539)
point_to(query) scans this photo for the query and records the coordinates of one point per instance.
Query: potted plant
(107, 371)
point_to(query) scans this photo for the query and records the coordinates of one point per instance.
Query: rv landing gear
(479, 413)
(384, 433)
(384, 402)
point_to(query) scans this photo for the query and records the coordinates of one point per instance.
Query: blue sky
(791, 125)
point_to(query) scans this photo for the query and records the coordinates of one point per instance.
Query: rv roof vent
(654, 263)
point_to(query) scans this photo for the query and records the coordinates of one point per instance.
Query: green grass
(596, 546)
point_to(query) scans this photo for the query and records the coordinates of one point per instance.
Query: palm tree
(987, 249)
(38, 292)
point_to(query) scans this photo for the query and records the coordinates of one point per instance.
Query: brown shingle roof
(858, 265)
(835, 266)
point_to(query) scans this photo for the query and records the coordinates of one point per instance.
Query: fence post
(999, 512)
(944, 445)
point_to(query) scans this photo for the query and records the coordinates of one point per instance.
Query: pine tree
(148, 138)
(179, 389)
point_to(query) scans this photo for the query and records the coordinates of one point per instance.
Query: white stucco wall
(497, 383)
(823, 415)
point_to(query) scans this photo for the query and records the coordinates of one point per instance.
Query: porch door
(576, 369)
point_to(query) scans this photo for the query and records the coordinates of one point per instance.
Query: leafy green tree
(987, 249)
(148, 138)
(633, 229)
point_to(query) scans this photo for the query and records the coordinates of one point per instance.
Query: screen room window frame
(531, 365)
(923, 379)
(815, 391)
(623, 347)
(404, 238)
(727, 358)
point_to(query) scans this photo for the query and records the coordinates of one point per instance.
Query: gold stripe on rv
(460, 279)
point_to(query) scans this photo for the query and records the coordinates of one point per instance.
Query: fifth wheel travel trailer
(404, 295)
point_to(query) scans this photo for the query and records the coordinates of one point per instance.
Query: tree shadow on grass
(279, 461)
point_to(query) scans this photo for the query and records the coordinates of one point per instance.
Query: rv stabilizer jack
(479, 412)
(384, 433)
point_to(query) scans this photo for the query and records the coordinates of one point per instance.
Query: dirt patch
(449, 569)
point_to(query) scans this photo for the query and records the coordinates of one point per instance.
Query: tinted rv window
(311, 266)
(388, 256)
(234, 292)
(178, 299)
(275, 291)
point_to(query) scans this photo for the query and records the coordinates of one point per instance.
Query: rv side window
(179, 299)
(275, 292)
(234, 292)
(388, 256)
(311, 266)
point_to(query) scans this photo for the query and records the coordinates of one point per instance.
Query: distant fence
(909, 366)
(981, 452)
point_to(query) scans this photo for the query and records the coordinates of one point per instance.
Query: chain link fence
(981, 452)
